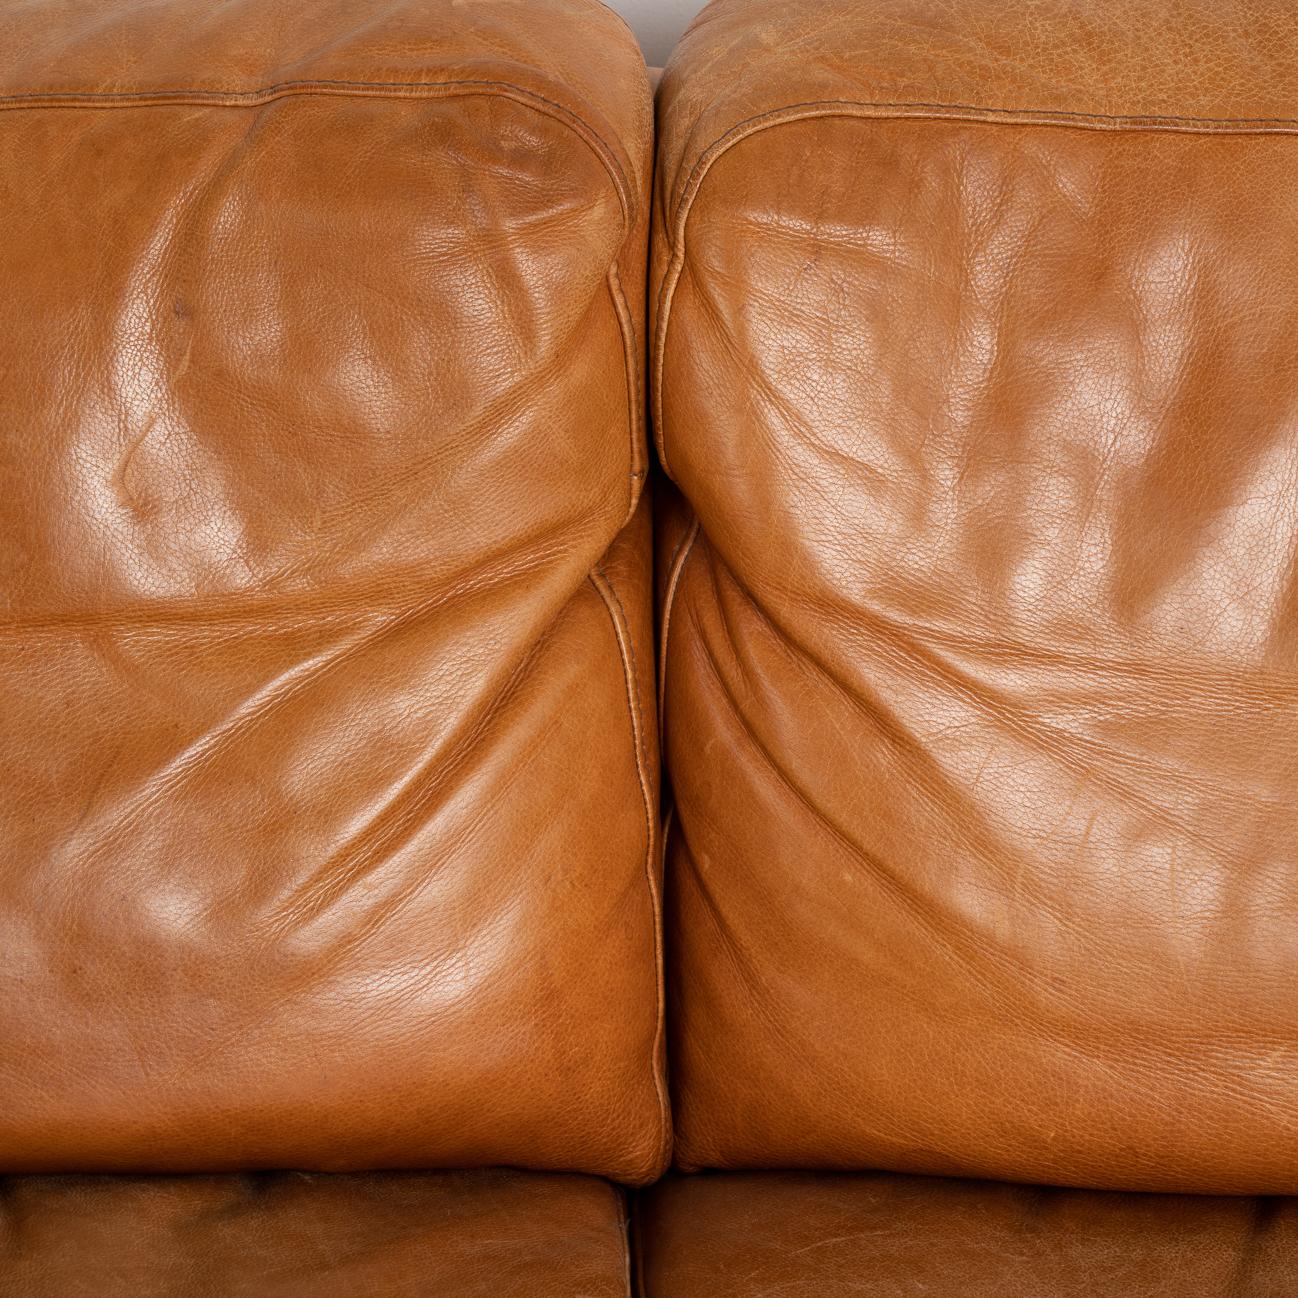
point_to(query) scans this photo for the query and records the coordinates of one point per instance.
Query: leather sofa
(435, 806)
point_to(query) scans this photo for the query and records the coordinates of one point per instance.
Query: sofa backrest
(326, 677)
(976, 362)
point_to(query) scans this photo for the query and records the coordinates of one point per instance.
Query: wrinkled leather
(327, 837)
(883, 1236)
(980, 376)
(302, 1235)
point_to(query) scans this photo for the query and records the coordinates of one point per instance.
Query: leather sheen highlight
(324, 841)
(980, 696)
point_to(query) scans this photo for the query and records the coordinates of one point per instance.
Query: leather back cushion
(325, 838)
(979, 371)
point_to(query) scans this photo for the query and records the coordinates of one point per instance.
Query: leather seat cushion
(888, 1236)
(301, 1235)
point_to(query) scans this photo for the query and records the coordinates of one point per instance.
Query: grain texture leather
(302, 1235)
(977, 365)
(327, 837)
(882, 1236)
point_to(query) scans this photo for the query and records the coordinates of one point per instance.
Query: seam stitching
(901, 108)
(634, 380)
(626, 651)
(677, 565)
(232, 98)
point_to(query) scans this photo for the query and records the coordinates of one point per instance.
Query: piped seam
(675, 568)
(626, 651)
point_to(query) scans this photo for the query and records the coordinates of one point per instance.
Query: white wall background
(657, 23)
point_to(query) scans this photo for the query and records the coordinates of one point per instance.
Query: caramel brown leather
(328, 751)
(298, 1235)
(977, 361)
(882, 1236)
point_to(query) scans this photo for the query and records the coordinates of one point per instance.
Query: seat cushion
(327, 754)
(887, 1236)
(302, 1235)
(977, 367)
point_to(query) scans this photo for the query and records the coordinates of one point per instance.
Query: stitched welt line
(1062, 117)
(634, 395)
(338, 90)
(622, 633)
(675, 569)
(896, 111)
